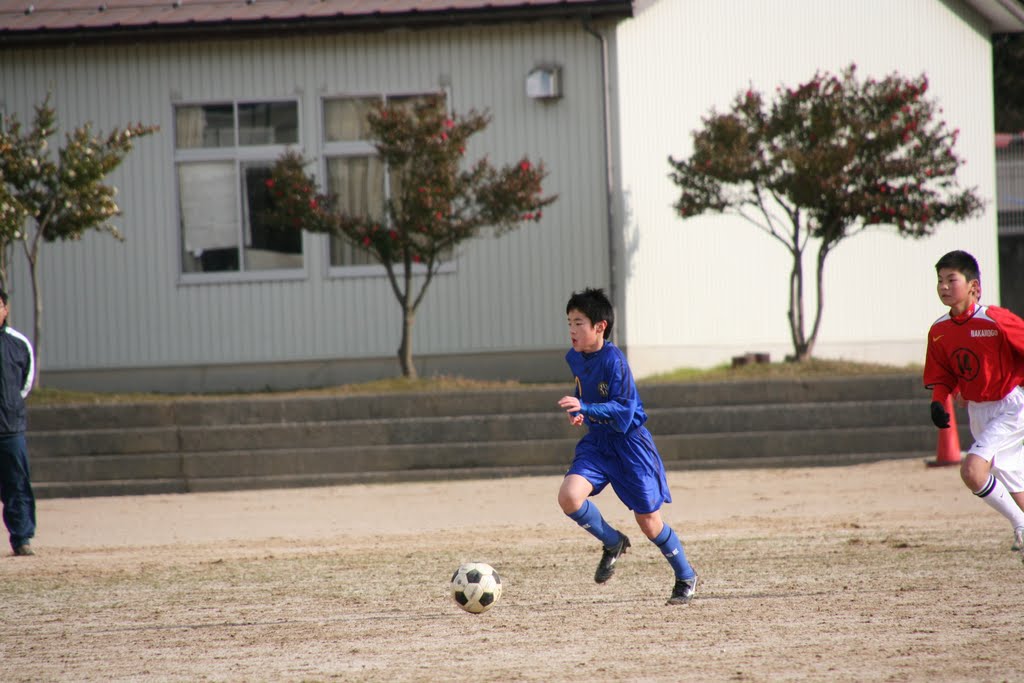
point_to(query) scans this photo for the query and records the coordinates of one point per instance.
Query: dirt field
(881, 572)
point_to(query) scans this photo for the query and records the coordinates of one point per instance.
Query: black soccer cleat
(683, 591)
(606, 567)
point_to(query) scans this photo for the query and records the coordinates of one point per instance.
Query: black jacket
(17, 371)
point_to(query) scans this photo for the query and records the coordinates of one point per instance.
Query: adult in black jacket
(17, 370)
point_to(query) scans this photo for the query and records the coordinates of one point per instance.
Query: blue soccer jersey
(617, 449)
(606, 390)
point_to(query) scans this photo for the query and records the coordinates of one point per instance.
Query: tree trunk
(409, 305)
(37, 322)
(405, 348)
(408, 320)
(819, 293)
(796, 307)
(803, 346)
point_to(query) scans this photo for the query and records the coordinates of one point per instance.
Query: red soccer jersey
(980, 353)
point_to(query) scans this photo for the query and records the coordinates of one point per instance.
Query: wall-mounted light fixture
(544, 83)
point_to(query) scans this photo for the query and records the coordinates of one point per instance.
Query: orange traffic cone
(947, 452)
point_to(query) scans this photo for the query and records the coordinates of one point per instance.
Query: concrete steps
(265, 441)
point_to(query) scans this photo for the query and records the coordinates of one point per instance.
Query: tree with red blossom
(823, 162)
(434, 202)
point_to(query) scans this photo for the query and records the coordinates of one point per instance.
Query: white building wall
(113, 306)
(700, 291)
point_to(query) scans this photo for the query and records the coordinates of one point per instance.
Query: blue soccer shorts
(629, 462)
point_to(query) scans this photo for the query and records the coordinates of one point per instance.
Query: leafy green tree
(46, 198)
(433, 205)
(823, 162)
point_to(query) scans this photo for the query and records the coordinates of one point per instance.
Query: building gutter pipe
(608, 183)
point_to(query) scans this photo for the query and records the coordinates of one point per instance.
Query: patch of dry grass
(816, 367)
(48, 396)
(45, 396)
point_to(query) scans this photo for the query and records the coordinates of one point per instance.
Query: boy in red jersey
(979, 351)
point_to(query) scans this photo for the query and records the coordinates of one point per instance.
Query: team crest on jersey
(602, 388)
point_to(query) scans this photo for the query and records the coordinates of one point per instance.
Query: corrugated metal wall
(702, 290)
(112, 305)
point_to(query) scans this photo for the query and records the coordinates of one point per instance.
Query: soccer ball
(476, 587)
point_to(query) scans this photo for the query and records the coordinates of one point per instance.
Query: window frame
(238, 156)
(359, 148)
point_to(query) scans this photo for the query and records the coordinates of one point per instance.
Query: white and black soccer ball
(476, 587)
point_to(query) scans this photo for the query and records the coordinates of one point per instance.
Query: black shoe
(24, 550)
(683, 591)
(606, 567)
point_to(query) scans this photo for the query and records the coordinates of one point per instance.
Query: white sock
(1000, 500)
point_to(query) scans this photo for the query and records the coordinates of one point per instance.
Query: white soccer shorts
(998, 431)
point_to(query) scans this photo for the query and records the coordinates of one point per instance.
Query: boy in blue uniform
(617, 448)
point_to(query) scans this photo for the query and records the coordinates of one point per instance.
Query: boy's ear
(601, 326)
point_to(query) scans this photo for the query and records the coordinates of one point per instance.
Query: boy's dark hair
(594, 304)
(961, 262)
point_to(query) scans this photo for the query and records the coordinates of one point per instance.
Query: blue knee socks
(669, 545)
(589, 517)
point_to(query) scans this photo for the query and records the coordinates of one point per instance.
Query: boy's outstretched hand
(571, 404)
(939, 415)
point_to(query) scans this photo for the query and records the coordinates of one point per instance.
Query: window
(224, 153)
(1011, 272)
(1010, 206)
(354, 174)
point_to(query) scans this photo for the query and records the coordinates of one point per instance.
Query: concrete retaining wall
(269, 441)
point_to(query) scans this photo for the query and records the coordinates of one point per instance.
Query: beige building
(201, 298)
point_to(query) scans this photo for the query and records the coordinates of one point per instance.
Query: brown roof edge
(379, 21)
